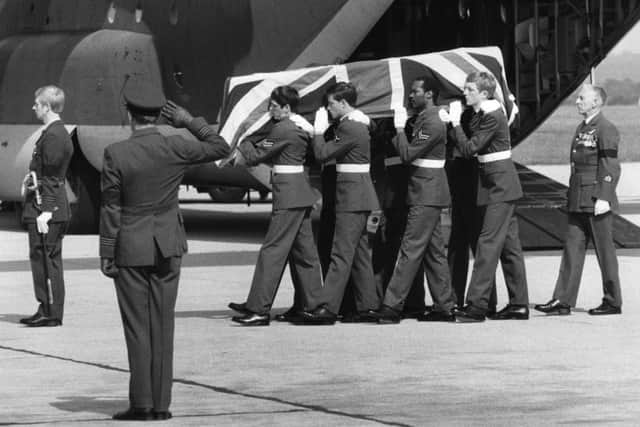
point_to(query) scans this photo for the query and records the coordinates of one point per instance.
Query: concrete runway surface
(573, 370)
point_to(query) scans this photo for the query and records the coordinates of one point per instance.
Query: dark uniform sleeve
(110, 206)
(608, 172)
(350, 133)
(480, 137)
(210, 146)
(57, 150)
(259, 152)
(431, 131)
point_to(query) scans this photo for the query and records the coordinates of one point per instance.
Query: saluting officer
(428, 194)
(595, 172)
(498, 188)
(289, 237)
(47, 217)
(355, 199)
(142, 237)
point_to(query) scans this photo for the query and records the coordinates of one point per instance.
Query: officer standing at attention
(355, 199)
(498, 188)
(595, 172)
(142, 237)
(46, 208)
(428, 194)
(289, 237)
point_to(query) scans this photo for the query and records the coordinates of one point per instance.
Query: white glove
(360, 117)
(302, 123)
(42, 222)
(601, 207)
(321, 121)
(444, 116)
(455, 111)
(400, 118)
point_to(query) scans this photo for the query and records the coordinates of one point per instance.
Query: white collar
(489, 105)
(591, 117)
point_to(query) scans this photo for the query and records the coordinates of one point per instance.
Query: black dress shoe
(290, 315)
(511, 312)
(386, 315)
(554, 306)
(414, 312)
(252, 319)
(368, 316)
(162, 415)
(27, 320)
(320, 316)
(469, 314)
(135, 414)
(44, 321)
(239, 307)
(437, 316)
(604, 309)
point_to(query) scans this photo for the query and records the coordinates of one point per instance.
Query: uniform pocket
(587, 188)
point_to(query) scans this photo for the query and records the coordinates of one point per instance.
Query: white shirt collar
(591, 117)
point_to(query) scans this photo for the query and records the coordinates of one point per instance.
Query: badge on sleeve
(423, 136)
(608, 178)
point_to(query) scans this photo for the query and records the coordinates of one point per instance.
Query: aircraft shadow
(99, 405)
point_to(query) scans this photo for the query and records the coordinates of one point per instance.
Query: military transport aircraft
(189, 47)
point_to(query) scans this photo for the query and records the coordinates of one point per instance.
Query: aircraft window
(111, 13)
(139, 12)
(173, 13)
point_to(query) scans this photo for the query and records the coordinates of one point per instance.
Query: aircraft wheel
(227, 194)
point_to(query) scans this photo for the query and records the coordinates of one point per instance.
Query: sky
(630, 42)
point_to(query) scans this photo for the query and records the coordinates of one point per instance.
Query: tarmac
(570, 370)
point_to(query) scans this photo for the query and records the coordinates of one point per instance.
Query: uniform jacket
(485, 132)
(427, 186)
(595, 169)
(352, 144)
(287, 145)
(140, 181)
(50, 161)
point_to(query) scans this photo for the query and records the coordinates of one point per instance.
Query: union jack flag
(382, 86)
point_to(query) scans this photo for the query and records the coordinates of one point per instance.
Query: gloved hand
(108, 267)
(176, 115)
(455, 111)
(302, 123)
(42, 222)
(601, 207)
(321, 121)
(360, 117)
(400, 118)
(444, 115)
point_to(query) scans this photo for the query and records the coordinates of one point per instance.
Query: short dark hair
(286, 95)
(143, 119)
(429, 85)
(484, 81)
(343, 90)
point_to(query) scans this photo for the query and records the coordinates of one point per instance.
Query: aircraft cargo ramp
(542, 214)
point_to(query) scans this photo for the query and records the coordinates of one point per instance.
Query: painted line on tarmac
(224, 390)
(206, 259)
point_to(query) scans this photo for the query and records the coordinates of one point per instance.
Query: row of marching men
(484, 187)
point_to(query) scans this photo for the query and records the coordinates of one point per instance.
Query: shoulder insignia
(423, 136)
(608, 178)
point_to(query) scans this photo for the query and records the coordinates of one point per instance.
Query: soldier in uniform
(498, 188)
(595, 172)
(46, 208)
(142, 237)
(355, 199)
(428, 194)
(289, 237)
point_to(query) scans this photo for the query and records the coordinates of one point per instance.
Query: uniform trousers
(498, 240)
(289, 239)
(422, 242)
(147, 300)
(351, 256)
(582, 227)
(385, 253)
(51, 299)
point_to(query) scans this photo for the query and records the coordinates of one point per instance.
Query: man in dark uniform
(498, 188)
(289, 237)
(428, 194)
(355, 199)
(46, 208)
(595, 172)
(142, 237)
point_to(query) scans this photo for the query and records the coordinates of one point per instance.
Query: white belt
(500, 155)
(392, 161)
(352, 167)
(288, 168)
(428, 163)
